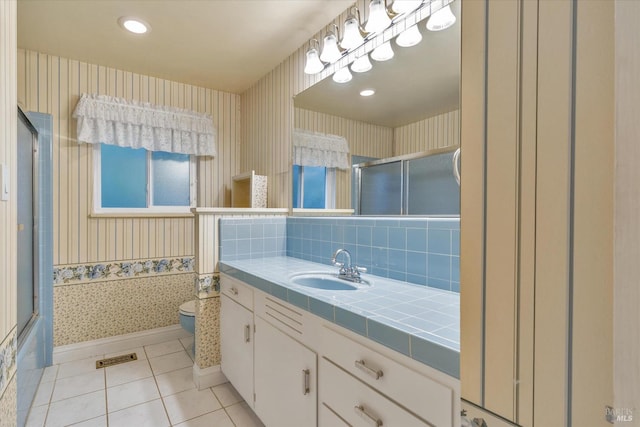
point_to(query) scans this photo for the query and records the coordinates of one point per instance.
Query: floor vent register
(116, 360)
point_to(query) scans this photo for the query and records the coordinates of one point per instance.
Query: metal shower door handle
(456, 165)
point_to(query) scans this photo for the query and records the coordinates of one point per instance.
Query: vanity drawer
(353, 402)
(424, 396)
(237, 291)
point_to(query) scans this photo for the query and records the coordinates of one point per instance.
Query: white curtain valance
(117, 121)
(320, 149)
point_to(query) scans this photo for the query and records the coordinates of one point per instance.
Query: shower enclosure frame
(403, 159)
(35, 261)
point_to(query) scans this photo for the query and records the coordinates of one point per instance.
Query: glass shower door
(381, 189)
(431, 187)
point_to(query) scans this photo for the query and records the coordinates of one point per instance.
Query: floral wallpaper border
(117, 270)
(8, 354)
(207, 286)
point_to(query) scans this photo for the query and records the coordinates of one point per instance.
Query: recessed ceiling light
(134, 25)
(367, 92)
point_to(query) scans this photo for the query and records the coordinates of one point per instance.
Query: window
(314, 187)
(129, 180)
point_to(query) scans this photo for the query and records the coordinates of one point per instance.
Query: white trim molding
(208, 377)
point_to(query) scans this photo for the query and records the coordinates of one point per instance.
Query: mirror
(414, 108)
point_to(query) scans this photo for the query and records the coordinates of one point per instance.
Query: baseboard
(208, 377)
(99, 347)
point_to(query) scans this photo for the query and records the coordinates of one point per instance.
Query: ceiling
(418, 82)
(220, 44)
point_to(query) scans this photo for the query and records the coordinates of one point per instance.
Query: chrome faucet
(347, 271)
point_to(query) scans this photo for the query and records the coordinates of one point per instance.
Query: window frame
(150, 209)
(329, 188)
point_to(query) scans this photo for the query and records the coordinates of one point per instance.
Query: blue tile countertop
(420, 322)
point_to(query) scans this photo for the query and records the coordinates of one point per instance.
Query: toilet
(188, 318)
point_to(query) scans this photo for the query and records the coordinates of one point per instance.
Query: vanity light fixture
(379, 16)
(331, 52)
(384, 52)
(367, 92)
(313, 64)
(409, 37)
(134, 25)
(405, 6)
(441, 20)
(353, 34)
(342, 75)
(362, 64)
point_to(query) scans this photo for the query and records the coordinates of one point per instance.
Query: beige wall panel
(552, 212)
(434, 132)
(501, 208)
(626, 315)
(53, 85)
(592, 371)
(527, 212)
(472, 141)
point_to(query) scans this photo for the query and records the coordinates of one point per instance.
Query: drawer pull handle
(373, 373)
(247, 333)
(234, 291)
(370, 419)
(305, 382)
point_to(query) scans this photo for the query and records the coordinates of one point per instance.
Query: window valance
(117, 121)
(319, 149)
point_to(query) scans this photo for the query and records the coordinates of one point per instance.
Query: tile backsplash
(423, 251)
(246, 238)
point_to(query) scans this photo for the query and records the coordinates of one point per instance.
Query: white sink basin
(327, 281)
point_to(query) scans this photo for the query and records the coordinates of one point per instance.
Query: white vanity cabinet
(306, 371)
(236, 336)
(285, 378)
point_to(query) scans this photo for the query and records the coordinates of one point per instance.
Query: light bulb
(352, 37)
(409, 37)
(342, 75)
(441, 20)
(378, 17)
(367, 92)
(134, 25)
(314, 65)
(361, 65)
(330, 50)
(384, 52)
(405, 6)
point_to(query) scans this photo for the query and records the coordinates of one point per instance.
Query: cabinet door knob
(373, 373)
(247, 333)
(305, 381)
(370, 419)
(234, 291)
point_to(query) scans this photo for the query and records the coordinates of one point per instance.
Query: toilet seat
(188, 308)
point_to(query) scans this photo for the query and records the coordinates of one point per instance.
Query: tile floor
(157, 390)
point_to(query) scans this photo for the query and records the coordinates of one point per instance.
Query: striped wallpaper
(8, 124)
(53, 85)
(435, 132)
